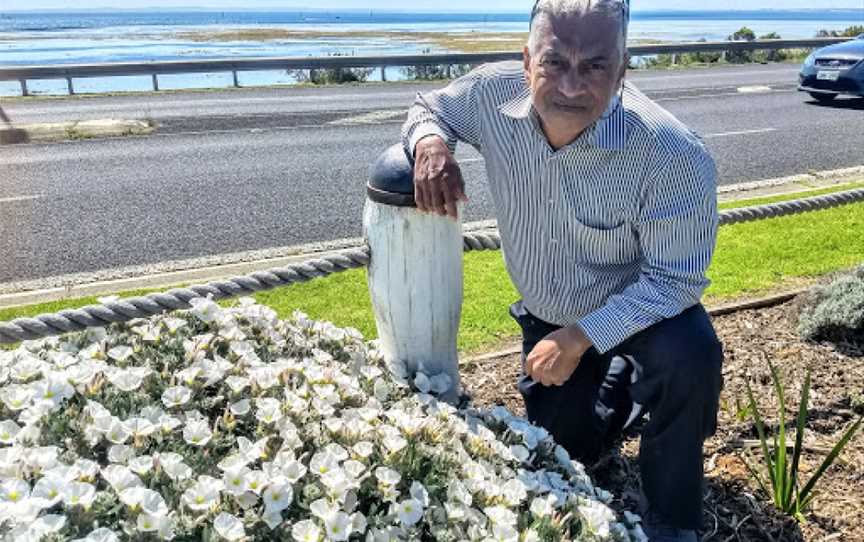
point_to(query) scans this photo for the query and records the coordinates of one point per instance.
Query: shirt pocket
(589, 246)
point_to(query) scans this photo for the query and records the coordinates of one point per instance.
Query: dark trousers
(671, 371)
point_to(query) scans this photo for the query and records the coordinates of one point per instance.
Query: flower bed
(231, 424)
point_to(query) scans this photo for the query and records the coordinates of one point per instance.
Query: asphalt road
(247, 170)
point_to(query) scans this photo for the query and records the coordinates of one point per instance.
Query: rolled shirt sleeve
(677, 230)
(452, 113)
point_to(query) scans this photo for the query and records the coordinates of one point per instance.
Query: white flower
(419, 493)
(120, 478)
(197, 433)
(394, 443)
(252, 450)
(204, 494)
(387, 476)
(543, 506)
(229, 527)
(278, 495)
(129, 379)
(120, 353)
(140, 427)
(78, 494)
(141, 465)
(272, 518)
(241, 408)
(499, 515)
(48, 489)
(597, 517)
(173, 466)
(120, 453)
(269, 410)
(8, 431)
(323, 462)
(256, 481)
(153, 504)
(53, 390)
(306, 531)
(205, 310)
(148, 524)
(363, 449)
(235, 481)
(16, 397)
(118, 433)
(410, 511)
(338, 526)
(14, 490)
(176, 396)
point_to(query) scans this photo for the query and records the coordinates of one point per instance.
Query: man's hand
(438, 184)
(556, 357)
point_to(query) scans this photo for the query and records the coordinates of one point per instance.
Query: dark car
(834, 70)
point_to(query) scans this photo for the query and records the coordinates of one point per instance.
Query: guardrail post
(155, 82)
(24, 91)
(69, 86)
(236, 80)
(384, 73)
(415, 277)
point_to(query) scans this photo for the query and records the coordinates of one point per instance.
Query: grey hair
(616, 9)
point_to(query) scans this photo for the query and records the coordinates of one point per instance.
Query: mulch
(735, 508)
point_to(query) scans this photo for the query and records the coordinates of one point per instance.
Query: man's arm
(436, 121)
(677, 229)
(451, 113)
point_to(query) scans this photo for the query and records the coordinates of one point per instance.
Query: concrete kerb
(207, 269)
(61, 131)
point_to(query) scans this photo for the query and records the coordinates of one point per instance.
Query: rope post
(415, 277)
(155, 83)
(24, 91)
(236, 79)
(384, 73)
(69, 86)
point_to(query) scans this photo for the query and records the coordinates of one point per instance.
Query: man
(607, 210)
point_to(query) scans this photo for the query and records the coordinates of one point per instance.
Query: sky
(418, 5)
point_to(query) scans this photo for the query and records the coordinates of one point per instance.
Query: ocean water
(50, 38)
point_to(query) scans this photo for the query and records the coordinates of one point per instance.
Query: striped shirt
(612, 232)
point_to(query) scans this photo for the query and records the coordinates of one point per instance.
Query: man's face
(574, 71)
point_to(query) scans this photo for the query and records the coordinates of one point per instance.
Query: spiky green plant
(783, 475)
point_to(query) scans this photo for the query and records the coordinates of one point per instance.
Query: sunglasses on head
(625, 8)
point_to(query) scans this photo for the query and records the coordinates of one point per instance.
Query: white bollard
(415, 277)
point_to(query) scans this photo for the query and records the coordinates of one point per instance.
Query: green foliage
(777, 55)
(835, 312)
(741, 57)
(782, 469)
(332, 76)
(850, 32)
(440, 71)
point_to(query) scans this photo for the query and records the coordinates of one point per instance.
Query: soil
(735, 507)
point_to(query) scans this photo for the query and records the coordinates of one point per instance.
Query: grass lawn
(751, 259)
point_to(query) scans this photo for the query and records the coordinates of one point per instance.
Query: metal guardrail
(22, 74)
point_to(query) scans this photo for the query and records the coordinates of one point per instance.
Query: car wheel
(822, 96)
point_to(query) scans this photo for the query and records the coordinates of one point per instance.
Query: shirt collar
(608, 133)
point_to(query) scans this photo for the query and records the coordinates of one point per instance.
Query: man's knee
(684, 352)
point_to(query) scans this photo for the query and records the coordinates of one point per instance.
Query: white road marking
(374, 117)
(470, 160)
(754, 89)
(20, 198)
(742, 132)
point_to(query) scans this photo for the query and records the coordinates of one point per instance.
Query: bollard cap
(392, 179)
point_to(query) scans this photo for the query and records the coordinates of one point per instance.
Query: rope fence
(124, 310)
